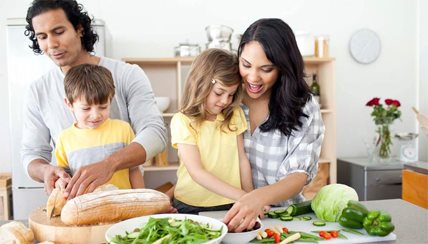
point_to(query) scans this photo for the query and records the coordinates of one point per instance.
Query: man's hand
(51, 175)
(89, 177)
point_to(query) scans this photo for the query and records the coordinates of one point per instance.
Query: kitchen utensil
(131, 224)
(187, 50)
(54, 230)
(219, 33)
(223, 45)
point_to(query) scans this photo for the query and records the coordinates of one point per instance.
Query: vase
(383, 142)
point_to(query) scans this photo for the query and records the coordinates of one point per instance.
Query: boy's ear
(69, 105)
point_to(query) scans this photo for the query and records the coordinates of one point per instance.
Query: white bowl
(162, 103)
(242, 237)
(131, 224)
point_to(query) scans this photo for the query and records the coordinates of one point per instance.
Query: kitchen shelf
(167, 76)
(171, 166)
(323, 161)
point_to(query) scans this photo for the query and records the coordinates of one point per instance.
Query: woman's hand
(244, 212)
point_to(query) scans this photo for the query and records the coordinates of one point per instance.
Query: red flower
(389, 101)
(392, 102)
(373, 102)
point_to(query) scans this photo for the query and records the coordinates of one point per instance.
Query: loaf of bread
(16, 232)
(112, 206)
(56, 202)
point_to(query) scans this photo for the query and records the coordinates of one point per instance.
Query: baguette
(16, 232)
(56, 202)
(112, 206)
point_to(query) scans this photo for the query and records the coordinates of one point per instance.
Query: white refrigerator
(23, 67)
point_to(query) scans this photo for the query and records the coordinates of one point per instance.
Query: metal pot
(218, 33)
(222, 45)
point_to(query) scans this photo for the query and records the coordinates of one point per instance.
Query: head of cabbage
(331, 199)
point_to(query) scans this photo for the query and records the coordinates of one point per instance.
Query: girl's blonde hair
(212, 64)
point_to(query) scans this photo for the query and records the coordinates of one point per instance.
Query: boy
(89, 90)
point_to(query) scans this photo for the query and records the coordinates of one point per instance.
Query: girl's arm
(244, 166)
(192, 161)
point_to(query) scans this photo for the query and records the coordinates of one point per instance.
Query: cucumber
(286, 218)
(318, 223)
(306, 217)
(299, 208)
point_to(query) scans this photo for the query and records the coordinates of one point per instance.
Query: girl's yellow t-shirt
(219, 156)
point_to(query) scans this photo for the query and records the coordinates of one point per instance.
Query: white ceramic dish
(242, 237)
(162, 103)
(131, 224)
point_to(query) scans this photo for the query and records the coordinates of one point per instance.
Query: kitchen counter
(420, 167)
(411, 221)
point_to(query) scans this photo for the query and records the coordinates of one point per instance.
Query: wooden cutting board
(54, 230)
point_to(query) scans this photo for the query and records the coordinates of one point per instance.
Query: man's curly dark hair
(75, 14)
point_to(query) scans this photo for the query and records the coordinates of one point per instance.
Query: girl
(214, 170)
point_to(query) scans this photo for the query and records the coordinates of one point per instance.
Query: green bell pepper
(378, 223)
(353, 215)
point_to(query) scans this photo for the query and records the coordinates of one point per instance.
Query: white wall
(154, 28)
(423, 74)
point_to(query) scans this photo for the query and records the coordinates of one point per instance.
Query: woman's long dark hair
(75, 14)
(290, 92)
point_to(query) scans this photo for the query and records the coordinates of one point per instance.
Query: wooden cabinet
(327, 165)
(167, 76)
(415, 187)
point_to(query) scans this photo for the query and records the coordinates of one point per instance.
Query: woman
(285, 133)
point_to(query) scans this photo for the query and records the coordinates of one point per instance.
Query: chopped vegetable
(299, 208)
(158, 230)
(291, 238)
(378, 223)
(331, 199)
(319, 223)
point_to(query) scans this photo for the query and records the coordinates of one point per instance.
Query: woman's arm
(192, 161)
(244, 166)
(244, 212)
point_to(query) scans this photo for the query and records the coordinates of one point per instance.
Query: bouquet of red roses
(383, 116)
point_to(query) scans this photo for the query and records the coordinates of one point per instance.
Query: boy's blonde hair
(93, 82)
(212, 64)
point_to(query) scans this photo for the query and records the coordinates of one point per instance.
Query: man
(62, 30)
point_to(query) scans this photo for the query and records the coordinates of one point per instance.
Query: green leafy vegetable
(168, 230)
(331, 199)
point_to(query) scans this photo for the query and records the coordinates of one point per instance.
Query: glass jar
(322, 44)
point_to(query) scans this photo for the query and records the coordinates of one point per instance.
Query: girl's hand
(244, 213)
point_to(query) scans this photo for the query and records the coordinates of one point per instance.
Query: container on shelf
(322, 44)
(161, 160)
(5, 196)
